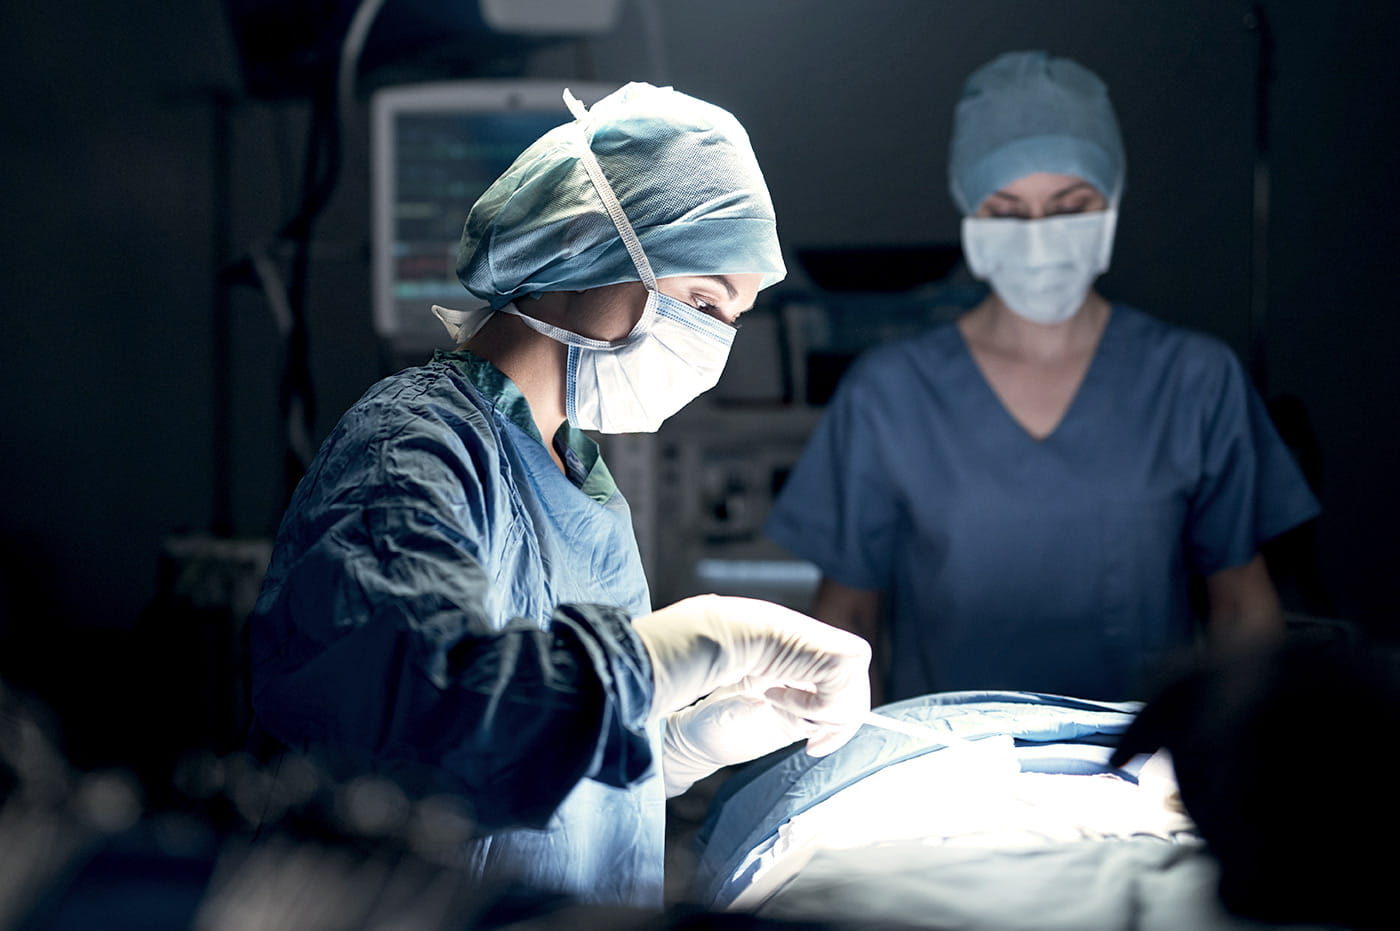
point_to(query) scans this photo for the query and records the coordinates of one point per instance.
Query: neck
(533, 361)
(994, 325)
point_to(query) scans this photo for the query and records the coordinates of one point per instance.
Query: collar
(582, 457)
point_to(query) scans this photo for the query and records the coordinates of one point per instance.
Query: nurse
(1020, 499)
(456, 597)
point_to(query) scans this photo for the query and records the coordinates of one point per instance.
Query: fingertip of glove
(827, 744)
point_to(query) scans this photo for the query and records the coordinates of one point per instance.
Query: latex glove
(733, 725)
(711, 641)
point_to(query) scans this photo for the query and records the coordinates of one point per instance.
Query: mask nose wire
(606, 194)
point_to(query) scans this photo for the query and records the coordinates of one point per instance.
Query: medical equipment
(699, 490)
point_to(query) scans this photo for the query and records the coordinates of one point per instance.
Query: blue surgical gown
(446, 606)
(1060, 565)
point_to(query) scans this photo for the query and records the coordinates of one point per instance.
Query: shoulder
(416, 422)
(431, 399)
(892, 366)
(1174, 351)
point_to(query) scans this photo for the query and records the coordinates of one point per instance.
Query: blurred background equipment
(286, 47)
(231, 842)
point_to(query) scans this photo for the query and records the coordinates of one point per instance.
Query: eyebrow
(724, 280)
(1069, 189)
(1072, 188)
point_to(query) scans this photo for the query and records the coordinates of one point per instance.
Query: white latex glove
(733, 725)
(711, 641)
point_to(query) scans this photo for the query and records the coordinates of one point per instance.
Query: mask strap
(567, 337)
(605, 193)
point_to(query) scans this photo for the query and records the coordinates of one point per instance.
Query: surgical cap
(1025, 112)
(684, 173)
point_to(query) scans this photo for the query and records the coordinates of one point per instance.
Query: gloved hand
(733, 725)
(812, 670)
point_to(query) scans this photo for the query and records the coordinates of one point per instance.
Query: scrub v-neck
(1085, 386)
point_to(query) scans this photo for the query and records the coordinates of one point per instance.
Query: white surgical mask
(674, 354)
(1042, 269)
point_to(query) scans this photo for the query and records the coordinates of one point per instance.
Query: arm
(1249, 491)
(373, 648)
(1243, 604)
(856, 610)
(853, 609)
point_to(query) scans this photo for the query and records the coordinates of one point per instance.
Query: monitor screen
(435, 148)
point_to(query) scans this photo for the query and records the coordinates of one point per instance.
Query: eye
(1062, 210)
(706, 304)
(1003, 211)
(1081, 201)
(1001, 206)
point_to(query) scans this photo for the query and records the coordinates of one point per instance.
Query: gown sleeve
(837, 508)
(373, 646)
(1250, 489)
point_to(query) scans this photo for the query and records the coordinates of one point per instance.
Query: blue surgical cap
(684, 173)
(1025, 112)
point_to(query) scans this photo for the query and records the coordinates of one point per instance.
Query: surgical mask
(674, 354)
(1042, 269)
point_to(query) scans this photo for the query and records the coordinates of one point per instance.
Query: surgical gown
(445, 605)
(1059, 565)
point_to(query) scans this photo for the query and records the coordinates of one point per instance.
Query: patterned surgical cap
(684, 173)
(1025, 112)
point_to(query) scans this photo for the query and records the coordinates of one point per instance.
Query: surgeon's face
(612, 311)
(724, 297)
(1043, 194)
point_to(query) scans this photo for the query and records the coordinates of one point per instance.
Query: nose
(1039, 249)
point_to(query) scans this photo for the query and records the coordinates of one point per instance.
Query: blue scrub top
(446, 606)
(1059, 565)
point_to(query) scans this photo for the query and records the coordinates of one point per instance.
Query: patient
(1282, 755)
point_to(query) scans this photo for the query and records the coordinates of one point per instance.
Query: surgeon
(456, 596)
(1021, 498)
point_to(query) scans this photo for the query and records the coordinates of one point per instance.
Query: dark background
(137, 164)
